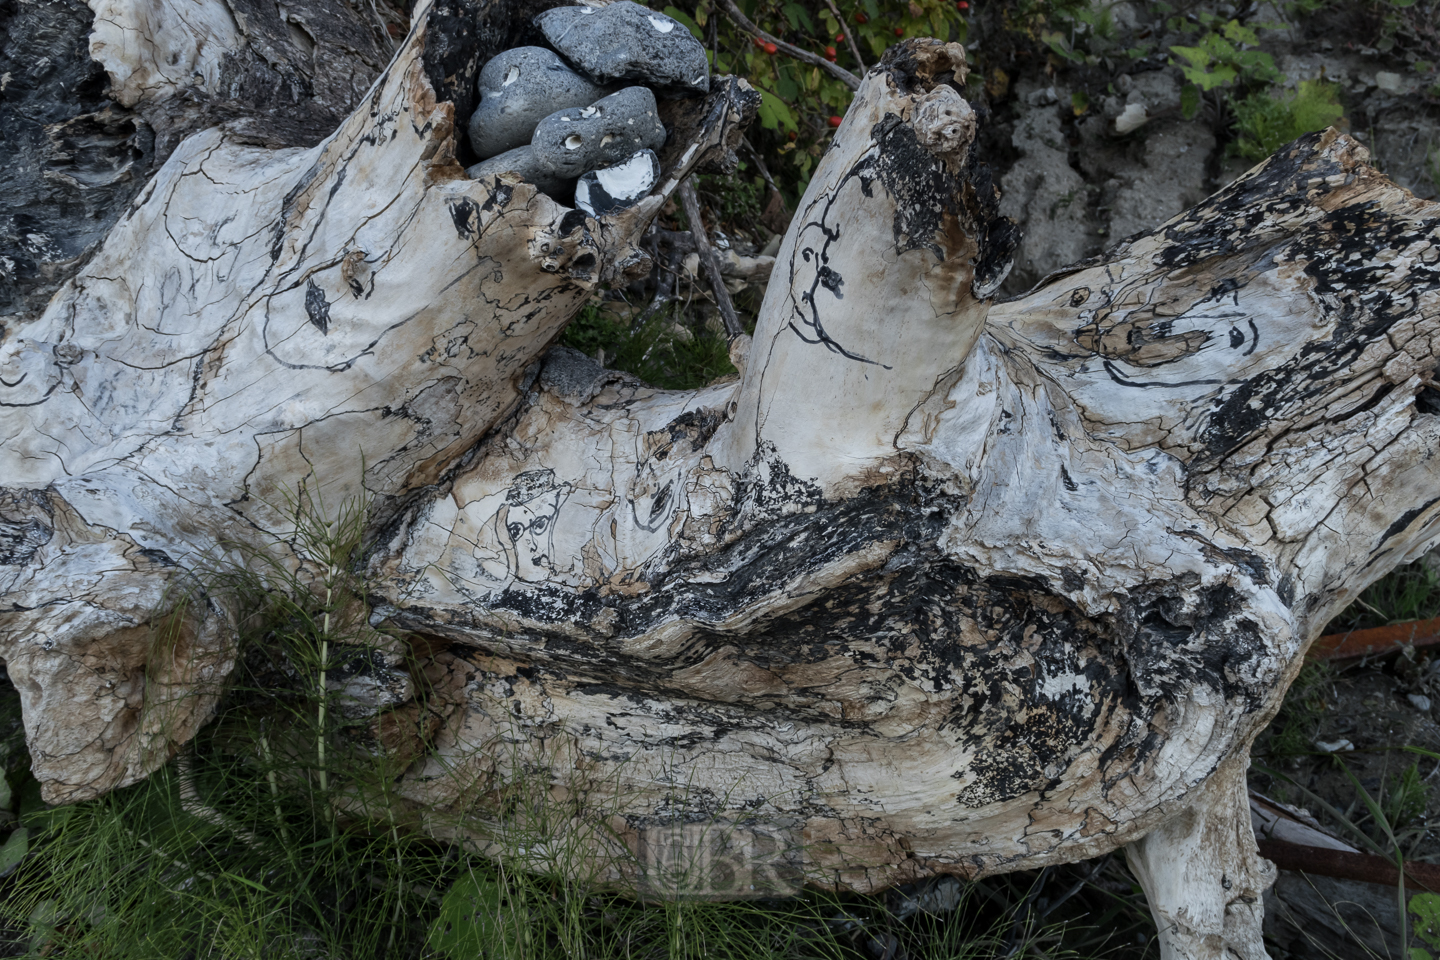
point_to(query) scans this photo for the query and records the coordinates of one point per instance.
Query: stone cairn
(582, 116)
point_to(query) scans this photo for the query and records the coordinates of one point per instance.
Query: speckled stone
(518, 89)
(614, 188)
(625, 41)
(570, 142)
(523, 163)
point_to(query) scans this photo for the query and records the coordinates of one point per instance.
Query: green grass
(1292, 733)
(1264, 124)
(663, 351)
(1411, 592)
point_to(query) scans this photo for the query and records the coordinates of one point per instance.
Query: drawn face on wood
(1166, 335)
(1167, 350)
(527, 522)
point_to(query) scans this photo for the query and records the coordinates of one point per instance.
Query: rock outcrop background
(1077, 187)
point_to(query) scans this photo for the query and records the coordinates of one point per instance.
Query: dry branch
(804, 56)
(691, 205)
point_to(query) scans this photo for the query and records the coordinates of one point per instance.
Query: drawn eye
(1141, 341)
(514, 529)
(539, 524)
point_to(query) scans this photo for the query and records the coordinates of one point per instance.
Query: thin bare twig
(691, 203)
(760, 164)
(849, 34)
(834, 69)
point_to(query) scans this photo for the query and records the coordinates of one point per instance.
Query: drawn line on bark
(33, 403)
(1115, 375)
(824, 274)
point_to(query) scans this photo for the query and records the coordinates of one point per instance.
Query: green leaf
(14, 850)
(239, 879)
(785, 84)
(798, 15)
(1056, 41)
(872, 9)
(1236, 32)
(1079, 102)
(775, 113)
(5, 796)
(1425, 908)
(1189, 101)
(1264, 124)
(1375, 811)
(1198, 56)
(675, 13)
(1197, 74)
(473, 921)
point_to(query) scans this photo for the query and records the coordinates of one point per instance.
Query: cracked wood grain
(956, 586)
(263, 317)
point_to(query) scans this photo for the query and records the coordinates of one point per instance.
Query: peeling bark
(956, 586)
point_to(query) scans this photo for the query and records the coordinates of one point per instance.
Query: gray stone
(1407, 142)
(625, 41)
(934, 897)
(522, 162)
(570, 142)
(614, 188)
(1045, 196)
(1151, 183)
(518, 89)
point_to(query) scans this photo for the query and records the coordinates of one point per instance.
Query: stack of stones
(586, 117)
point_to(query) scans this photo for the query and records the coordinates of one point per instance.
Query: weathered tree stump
(955, 586)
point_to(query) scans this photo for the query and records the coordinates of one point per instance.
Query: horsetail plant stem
(274, 786)
(320, 709)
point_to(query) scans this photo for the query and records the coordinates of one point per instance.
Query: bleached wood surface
(956, 586)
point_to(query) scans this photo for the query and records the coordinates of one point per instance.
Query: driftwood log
(954, 586)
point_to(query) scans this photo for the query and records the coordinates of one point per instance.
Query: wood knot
(945, 125)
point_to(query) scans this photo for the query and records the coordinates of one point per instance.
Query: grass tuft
(1264, 124)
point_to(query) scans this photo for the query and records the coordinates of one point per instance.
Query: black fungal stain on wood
(27, 523)
(1023, 682)
(1353, 290)
(74, 159)
(317, 308)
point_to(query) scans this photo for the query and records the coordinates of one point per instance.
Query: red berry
(839, 37)
(770, 48)
(792, 134)
(899, 32)
(835, 121)
(962, 5)
(861, 18)
(760, 43)
(830, 52)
